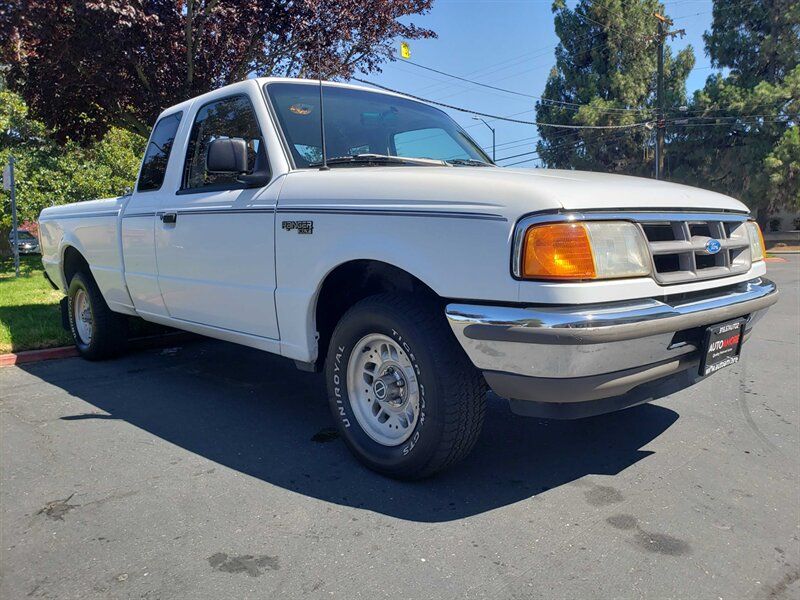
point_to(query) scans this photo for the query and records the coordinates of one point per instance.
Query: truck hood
(510, 193)
(583, 190)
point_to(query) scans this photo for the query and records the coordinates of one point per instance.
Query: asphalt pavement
(211, 471)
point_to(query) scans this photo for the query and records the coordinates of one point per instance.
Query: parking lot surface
(211, 471)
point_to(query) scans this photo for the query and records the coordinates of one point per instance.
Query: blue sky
(509, 44)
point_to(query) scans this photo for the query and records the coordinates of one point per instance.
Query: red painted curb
(6, 360)
(775, 259)
(153, 341)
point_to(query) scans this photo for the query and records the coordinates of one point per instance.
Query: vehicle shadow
(255, 413)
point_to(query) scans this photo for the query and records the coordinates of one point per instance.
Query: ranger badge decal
(306, 227)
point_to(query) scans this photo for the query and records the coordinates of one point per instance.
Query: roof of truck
(264, 80)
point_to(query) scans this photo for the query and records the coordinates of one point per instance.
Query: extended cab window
(154, 163)
(232, 117)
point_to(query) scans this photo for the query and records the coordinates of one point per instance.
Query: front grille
(678, 248)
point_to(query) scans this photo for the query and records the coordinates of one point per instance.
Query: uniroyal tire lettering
(410, 446)
(414, 438)
(337, 390)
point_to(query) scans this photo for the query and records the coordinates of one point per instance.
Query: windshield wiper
(379, 159)
(467, 162)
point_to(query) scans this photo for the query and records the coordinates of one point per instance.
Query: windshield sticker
(301, 109)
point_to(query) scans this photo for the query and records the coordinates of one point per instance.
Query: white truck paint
(233, 267)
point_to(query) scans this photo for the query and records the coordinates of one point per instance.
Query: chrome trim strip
(203, 211)
(335, 211)
(633, 216)
(139, 214)
(611, 322)
(391, 212)
(215, 211)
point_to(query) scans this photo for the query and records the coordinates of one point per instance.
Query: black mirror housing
(227, 155)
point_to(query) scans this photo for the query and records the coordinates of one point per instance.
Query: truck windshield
(364, 125)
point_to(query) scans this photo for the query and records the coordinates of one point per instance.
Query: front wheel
(98, 332)
(407, 400)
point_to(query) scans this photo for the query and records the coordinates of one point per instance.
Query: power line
(563, 142)
(516, 93)
(498, 117)
(586, 144)
(728, 124)
(513, 62)
(722, 9)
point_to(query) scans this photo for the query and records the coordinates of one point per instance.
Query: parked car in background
(409, 267)
(26, 242)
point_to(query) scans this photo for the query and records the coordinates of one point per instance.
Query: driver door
(215, 235)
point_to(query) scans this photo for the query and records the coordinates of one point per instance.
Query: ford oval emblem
(713, 246)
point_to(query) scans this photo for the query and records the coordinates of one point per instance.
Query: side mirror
(227, 155)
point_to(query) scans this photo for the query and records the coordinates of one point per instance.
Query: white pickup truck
(409, 267)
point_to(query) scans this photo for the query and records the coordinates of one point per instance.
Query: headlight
(757, 247)
(600, 250)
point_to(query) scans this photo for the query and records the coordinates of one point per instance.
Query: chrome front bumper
(568, 354)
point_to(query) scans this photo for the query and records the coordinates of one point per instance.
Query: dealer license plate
(723, 343)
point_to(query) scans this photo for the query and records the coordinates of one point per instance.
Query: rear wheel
(407, 400)
(98, 332)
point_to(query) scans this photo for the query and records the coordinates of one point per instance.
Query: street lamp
(490, 127)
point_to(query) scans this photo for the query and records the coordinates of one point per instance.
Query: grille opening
(659, 232)
(706, 261)
(693, 337)
(667, 263)
(700, 229)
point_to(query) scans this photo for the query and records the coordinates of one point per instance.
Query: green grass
(29, 313)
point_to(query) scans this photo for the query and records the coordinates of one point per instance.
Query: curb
(775, 259)
(140, 343)
(18, 358)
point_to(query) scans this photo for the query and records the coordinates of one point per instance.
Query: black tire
(453, 392)
(109, 330)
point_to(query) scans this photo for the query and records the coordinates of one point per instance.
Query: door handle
(169, 217)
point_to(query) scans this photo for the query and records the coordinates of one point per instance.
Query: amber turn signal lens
(558, 251)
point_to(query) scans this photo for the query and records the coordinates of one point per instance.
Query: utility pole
(493, 132)
(661, 118)
(8, 185)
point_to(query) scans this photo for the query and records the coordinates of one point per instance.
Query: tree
(85, 66)
(782, 167)
(741, 133)
(48, 173)
(605, 74)
(757, 40)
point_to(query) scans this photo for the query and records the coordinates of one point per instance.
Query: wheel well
(353, 281)
(73, 262)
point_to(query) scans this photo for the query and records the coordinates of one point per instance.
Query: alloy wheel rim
(383, 389)
(82, 316)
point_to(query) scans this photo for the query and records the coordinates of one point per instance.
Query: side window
(232, 117)
(428, 143)
(154, 163)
